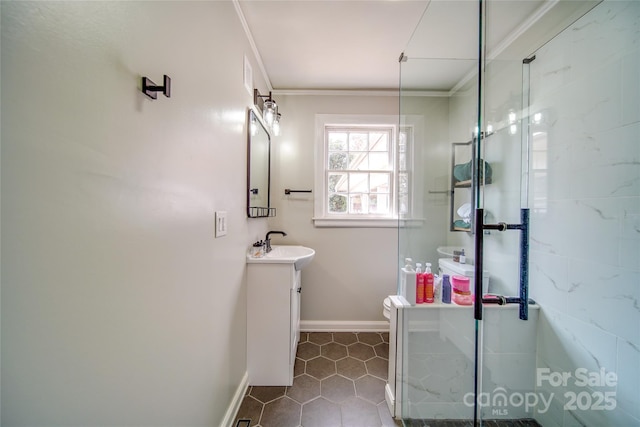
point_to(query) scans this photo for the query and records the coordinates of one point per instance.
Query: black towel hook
(149, 88)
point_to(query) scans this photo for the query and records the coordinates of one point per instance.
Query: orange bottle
(419, 284)
(428, 284)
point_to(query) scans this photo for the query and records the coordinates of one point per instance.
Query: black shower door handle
(523, 298)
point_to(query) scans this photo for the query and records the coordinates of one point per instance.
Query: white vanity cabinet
(273, 323)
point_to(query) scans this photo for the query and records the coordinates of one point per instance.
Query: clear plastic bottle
(419, 284)
(437, 289)
(258, 249)
(428, 284)
(446, 289)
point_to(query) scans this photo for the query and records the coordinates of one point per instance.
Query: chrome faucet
(267, 240)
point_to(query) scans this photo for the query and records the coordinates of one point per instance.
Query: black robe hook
(149, 88)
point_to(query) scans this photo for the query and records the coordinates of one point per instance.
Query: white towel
(464, 212)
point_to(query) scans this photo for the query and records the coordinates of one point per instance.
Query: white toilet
(450, 267)
(386, 308)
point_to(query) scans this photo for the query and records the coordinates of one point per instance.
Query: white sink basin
(448, 250)
(299, 256)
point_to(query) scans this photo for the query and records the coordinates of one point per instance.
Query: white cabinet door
(273, 321)
(295, 317)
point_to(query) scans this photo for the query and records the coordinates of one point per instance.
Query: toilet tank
(450, 267)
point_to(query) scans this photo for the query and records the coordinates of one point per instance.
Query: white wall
(353, 269)
(118, 305)
(427, 227)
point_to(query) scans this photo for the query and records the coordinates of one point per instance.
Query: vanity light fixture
(269, 109)
(275, 126)
(269, 112)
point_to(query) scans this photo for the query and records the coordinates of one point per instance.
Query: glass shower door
(507, 338)
(438, 108)
(437, 357)
(560, 117)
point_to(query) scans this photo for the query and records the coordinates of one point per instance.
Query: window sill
(365, 223)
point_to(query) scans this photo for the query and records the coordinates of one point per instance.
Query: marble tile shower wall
(439, 375)
(585, 236)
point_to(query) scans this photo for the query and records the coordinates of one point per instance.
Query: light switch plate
(221, 223)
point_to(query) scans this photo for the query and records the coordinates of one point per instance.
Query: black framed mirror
(258, 168)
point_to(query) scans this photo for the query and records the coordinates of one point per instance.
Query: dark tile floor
(339, 380)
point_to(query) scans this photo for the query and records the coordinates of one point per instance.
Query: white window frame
(409, 130)
(321, 216)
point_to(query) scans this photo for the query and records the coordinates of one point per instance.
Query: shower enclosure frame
(413, 388)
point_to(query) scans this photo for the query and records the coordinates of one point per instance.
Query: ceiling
(356, 44)
(335, 44)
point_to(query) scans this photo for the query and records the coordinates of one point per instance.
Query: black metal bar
(500, 226)
(503, 226)
(523, 300)
(288, 191)
(524, 264)
(502, 300)
(516, 226)
(494, 299)
(516, 300)
(479, 224)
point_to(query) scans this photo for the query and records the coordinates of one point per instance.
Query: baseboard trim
(234, 407)
(343, 326)
(391, 400)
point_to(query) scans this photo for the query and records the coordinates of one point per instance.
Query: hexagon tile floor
(339, 380)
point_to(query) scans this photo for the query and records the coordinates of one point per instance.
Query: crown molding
(511, 38)
(346, 92)
(254, 48)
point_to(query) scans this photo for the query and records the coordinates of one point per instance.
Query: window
(359, 170)
(357, 158)
(405, 137)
